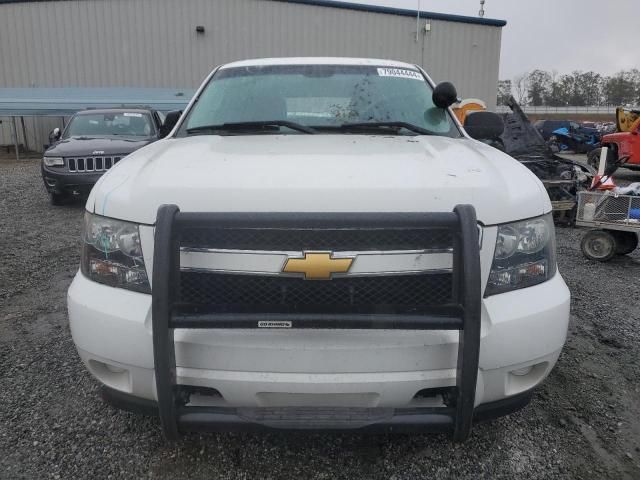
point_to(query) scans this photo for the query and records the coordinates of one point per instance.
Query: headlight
(525, 255)
(112, 253)
(53, 161)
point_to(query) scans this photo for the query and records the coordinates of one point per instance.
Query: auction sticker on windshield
(399, 72)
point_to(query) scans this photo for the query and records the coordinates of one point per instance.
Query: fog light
(522, 371)
(114, 369)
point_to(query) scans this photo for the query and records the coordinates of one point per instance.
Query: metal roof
(255, 62)
(365, 8)
(400, 11)
(25, 102)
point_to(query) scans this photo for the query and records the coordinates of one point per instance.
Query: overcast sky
(562, 35)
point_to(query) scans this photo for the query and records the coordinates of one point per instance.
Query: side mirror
(170, 121)
(444, 95)
(55, 135)
(484, 125)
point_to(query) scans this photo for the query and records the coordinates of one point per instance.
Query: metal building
(175, 43)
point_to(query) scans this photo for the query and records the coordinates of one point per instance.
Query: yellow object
(317, 266)
(468, 105)
(627, 120)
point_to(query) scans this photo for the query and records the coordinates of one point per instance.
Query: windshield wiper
(395, 125)
(262, 125)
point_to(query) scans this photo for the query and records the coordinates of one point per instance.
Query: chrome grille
(92, 164)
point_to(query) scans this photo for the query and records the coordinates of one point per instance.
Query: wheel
(593, 158)
(626, 242)
(598, 245)
(57, 199)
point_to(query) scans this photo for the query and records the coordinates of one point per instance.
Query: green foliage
(578, 88)
(504, 91)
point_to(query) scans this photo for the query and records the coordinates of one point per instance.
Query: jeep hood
(319, 173)
(81, 146)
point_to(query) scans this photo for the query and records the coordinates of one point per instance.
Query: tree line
(576, 89)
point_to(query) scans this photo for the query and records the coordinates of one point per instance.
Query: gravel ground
(582, 423)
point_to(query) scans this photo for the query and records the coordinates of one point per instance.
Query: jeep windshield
(317, 99)
(125, 124)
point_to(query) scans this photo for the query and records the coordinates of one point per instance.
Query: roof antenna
(418, 20)
(481, 12)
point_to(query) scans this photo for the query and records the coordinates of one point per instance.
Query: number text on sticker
(400, 73)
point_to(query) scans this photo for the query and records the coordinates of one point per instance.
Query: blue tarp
(59, 102)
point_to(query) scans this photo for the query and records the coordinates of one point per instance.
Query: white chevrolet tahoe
(319, 244)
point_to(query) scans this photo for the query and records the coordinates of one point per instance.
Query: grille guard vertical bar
(469, 343)
(166, 269)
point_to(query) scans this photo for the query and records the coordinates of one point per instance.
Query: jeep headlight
(112, 253)
(53, 161)
(525, 255)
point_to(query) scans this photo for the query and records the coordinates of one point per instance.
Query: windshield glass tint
(106, 124)
(319, 96)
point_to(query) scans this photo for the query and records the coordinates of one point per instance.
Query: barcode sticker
(274, 324)
(400, 73)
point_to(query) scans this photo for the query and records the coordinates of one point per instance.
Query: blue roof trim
(365, 8)
(400, 11)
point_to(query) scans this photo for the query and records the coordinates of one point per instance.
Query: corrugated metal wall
(153, 43)
(35, 134)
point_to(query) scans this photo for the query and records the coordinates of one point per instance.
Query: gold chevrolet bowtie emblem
(317, 266)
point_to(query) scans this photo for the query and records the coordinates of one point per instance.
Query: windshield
(323, 97)
(130, 124)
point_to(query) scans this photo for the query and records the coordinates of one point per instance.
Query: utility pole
(481, 12)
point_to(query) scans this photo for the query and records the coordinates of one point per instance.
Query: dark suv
(92, 143)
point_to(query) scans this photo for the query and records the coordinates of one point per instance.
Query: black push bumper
(233, 419)
(57, 181)
(463, 315)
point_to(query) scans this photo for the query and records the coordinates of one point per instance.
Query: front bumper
(382, 368)
(263, 372)
(61, 182)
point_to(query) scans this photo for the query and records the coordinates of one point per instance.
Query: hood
(81, 146)
(319, 173)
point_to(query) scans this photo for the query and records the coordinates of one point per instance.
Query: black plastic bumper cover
(403, 420)
(61, 182)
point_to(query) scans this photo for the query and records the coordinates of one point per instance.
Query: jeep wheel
(598, 245)
(57, 199)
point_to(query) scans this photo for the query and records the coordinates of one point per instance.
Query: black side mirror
(170, 121)
(444, 95)
(54, 135)
(484, 125)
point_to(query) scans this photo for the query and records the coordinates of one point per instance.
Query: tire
(57, 199)
(626, 242)
(598, 245)
(593, 158)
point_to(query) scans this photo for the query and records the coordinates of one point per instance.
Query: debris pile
(561, 177)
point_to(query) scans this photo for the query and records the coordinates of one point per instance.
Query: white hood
(321, 173)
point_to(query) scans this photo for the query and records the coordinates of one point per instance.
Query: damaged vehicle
(561, 177)
(570, 140)
(623, 145)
